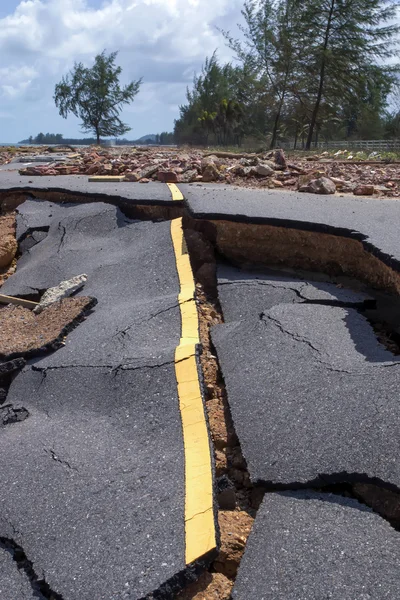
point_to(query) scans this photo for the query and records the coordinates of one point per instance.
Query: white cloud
(164, 41)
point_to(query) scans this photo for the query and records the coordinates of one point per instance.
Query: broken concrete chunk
(64, 290)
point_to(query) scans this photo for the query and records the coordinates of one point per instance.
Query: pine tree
(95, 96)
(342, 39)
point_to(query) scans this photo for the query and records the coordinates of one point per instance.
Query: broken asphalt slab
(131, 272)
(93, 481)
(373, 222)
(313, 396)
(152, 193)
(308, 546)
(101, 446)
(245, 294)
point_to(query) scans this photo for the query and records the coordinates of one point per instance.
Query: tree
(214, 105)
(94, 95)
(343, 38)
(270, 45)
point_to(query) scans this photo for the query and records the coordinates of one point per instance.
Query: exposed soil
(247, 244)
(8, 246)
(209, 586)
(22, 333)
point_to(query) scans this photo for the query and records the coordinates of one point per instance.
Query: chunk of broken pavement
(65, 289)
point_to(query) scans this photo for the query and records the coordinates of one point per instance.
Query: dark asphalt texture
(93, 479)
(243, 294)
(131, 271)
(313, 395)
(14, 583)
(310, 546)
(372, 221)
(36, 215)
(153, 193)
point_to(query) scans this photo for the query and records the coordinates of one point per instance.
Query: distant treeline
(164, 138)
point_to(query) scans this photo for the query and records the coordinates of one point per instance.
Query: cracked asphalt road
(316, 397)
(314, 400)
(312, 394)
(93, 479)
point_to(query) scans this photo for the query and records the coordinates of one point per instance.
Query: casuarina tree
(94, 95)
(342, 40)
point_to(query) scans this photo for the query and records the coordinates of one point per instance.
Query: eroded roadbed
(93, 479)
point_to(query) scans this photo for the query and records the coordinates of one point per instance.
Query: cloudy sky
(163, 41)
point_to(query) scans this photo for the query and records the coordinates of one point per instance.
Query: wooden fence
(367, 145)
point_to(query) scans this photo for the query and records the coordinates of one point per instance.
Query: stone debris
(182, 165)
(64, 290)
(322, 185)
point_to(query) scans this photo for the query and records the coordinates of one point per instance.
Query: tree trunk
(278, 114)
(321, 78)
(276, 125)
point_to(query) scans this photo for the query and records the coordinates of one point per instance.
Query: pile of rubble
(316, 174)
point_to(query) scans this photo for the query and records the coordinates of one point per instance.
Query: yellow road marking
(200, 534)
(105, 178)
(175, 191)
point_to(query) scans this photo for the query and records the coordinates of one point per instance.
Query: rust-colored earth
(22, 332)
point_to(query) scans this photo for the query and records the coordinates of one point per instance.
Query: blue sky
(163, 41)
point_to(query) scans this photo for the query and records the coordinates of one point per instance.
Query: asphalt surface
(310, 546)
(14, 583)
(131, 272)
(126, 192)
(248, 293)
(374, 222)
(93, 484)
(313, 395)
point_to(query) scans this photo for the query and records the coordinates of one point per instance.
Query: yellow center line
(200, 534)
(175, 191)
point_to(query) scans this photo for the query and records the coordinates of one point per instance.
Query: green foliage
(307, 70)
(215, 109)
(95, 95)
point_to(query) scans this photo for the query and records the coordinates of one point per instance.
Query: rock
(364, 190)
(262, 170)
(322, 185)
(189, 176)
(133, 177)
(148, 171)
(280, 158)
(211, 173)
(277, 183)
(64, 290)
(167, 176)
